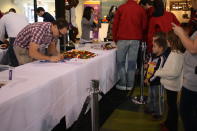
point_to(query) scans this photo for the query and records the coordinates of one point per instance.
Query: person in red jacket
(148, 6)
(129, 24)
(160, 22)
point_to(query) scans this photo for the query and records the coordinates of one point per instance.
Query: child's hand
(145, 66)
(146, 82)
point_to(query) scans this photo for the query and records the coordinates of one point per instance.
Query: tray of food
(106, 46)
(81, 54)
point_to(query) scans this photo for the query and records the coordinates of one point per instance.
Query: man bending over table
(39, 35)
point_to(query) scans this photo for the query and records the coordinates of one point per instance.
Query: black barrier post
(141, 99)
(95, 105)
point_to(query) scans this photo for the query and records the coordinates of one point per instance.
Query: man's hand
(55, 58)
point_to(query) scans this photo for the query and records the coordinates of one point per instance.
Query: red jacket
(160, 24)
(129, 22)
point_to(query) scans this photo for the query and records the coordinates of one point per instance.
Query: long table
(40, 93)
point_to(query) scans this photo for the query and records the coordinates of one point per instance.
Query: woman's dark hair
(60, 23)
(39, 9)
(87, 12)
(144, 2)
(12, 10)
(175, 42)
(110, 14)
(158, 8)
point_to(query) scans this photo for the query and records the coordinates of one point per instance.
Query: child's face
(157, 50)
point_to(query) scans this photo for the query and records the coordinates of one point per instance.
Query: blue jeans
(153, 99)
(129, 49)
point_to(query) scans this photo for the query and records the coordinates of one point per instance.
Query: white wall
(79, 13)
(5, 5)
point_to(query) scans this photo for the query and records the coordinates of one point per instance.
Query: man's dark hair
(60, 23)
(12, 10)
(158, 8)
(144, 2)
(39, 9)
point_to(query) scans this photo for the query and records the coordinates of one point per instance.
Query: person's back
(35, 33)
(159, 22)
(129, 22)
(14, 23)
(48, 17)
(164, 22)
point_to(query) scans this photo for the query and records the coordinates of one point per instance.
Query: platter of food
(81, 54)
(106, 46)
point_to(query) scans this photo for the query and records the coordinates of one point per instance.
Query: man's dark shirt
(48, 17)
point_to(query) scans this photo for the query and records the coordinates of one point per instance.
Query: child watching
(171, 78)
(156, 61)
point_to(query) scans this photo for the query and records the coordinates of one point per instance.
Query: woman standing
(188, 102)
(87, 23)
(110, 18)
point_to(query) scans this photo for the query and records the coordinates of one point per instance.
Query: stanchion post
(95, 105)
(141, 99)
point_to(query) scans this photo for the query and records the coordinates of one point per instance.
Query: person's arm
(158, 66)
(34, 53)
(2, 29)
(172, 68)
(116, 25)
(52, 50)
(190, 45)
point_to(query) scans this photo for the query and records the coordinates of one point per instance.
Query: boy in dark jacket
(156, 62)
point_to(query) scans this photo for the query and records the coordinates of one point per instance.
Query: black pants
(188, 109)
(172, 117)
(11, 54)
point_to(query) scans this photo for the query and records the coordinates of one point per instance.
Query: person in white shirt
(172, 78)
(12, 23)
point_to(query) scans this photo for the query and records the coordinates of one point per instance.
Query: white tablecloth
(2, 54)
(40, 94)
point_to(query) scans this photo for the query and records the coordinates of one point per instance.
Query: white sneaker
(123, 87)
